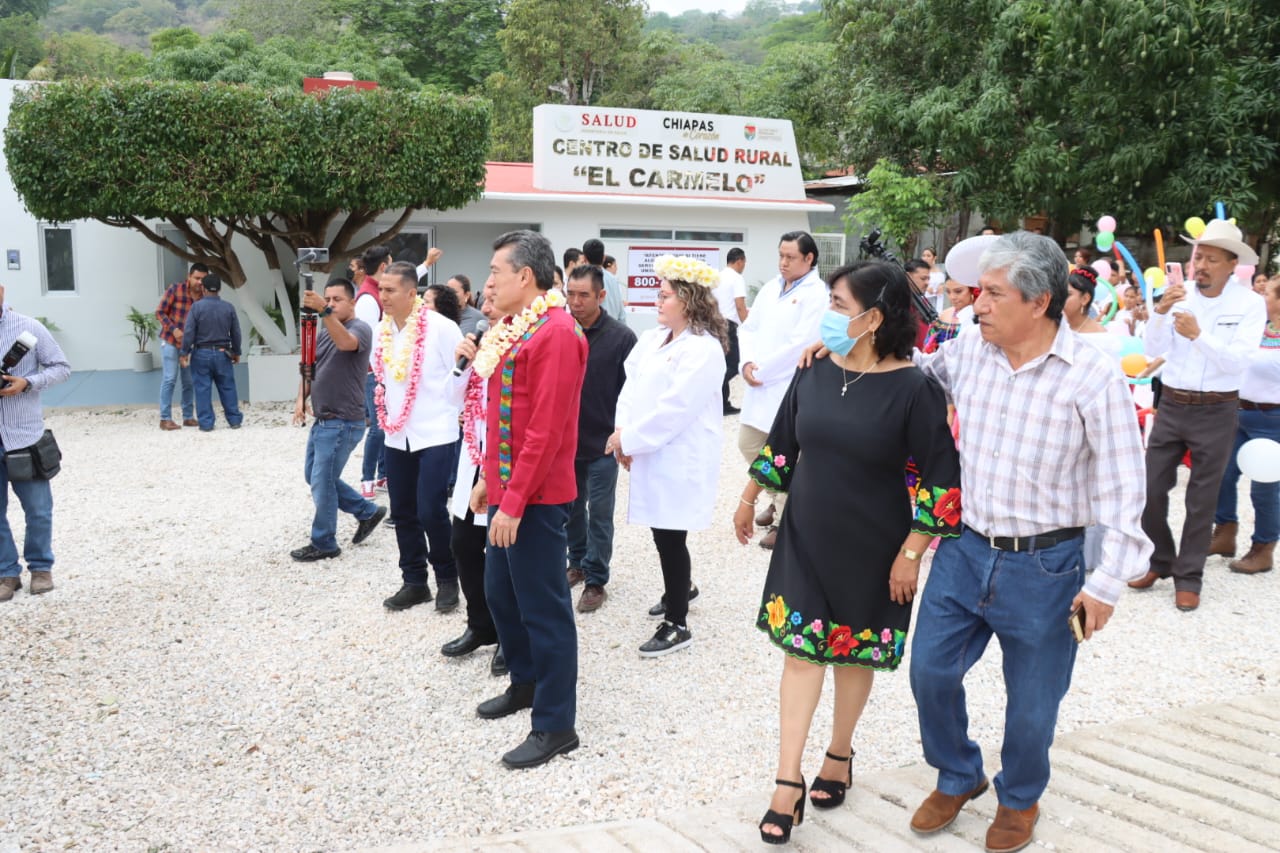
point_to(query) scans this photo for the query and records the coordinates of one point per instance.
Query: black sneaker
(407, 597)
(364, 528)
(667, 639)
(659, 610)
(310, 553)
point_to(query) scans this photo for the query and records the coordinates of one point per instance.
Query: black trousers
(673, 554)
(468, 541)
(730, 362)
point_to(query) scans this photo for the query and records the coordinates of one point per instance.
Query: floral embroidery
(505, 395)
(937, 510)
(779, 460)
(769, 470)
(821, 641)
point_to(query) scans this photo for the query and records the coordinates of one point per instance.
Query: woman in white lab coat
(669, 430)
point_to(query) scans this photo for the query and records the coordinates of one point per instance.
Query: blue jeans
(37, 505)
(418, 486)
(529, 598)
(329, 446)
(169, 355)
(590, 530)
(374, 466)
(210, 367)
(1265, 496)
(974, 591)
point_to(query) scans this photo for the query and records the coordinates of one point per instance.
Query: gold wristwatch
(909, 554)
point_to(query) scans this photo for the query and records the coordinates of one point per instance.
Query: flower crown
(686, 269)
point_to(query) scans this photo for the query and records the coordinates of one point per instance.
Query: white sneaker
(366, 489)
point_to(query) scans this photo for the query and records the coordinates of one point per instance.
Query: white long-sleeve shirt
(1262, 377)
(1231, 325)
(778, 327)
(434, 419)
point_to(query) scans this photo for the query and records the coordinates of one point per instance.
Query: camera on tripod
(872, 247)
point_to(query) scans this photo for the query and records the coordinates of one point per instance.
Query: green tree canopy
(452, 44)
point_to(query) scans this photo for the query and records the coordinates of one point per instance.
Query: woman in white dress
(669, 430)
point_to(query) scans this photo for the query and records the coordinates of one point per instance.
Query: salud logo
(749, 131)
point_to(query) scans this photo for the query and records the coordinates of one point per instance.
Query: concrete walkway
(1204, 778)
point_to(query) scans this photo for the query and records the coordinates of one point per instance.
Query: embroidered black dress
(842, 460)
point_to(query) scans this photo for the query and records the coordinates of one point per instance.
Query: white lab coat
(776, 331)
(670, 414)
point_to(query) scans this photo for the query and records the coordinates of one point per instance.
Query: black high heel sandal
(784, 821)
(834, 791)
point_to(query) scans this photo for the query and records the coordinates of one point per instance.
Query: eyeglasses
(663, 297)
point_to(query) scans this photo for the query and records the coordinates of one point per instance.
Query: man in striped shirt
(21, 425)
(1048, 445)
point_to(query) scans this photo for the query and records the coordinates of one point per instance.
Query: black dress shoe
(407, 597)
(498, 666)
(446, 595)
(465, 645)
(517, 697)
(310, 553)
(364, 528)
(540, 747)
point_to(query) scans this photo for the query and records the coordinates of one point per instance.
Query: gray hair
(530, 249)
(1034, 264)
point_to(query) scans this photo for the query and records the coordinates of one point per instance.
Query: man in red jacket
(537, 357)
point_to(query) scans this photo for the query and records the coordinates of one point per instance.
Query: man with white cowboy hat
(1207, 334)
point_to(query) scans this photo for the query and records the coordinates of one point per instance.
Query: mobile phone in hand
(1172, 273)
(1076, 621)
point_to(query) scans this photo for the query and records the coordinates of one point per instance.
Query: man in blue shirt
(211, 345)
(21, 425)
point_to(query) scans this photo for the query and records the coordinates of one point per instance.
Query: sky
(677, 7)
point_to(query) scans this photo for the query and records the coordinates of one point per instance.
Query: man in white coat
(784, 319)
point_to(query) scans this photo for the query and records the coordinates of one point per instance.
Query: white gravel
(187, 686)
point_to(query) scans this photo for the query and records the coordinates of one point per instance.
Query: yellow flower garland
(501, 336)
(397, 364)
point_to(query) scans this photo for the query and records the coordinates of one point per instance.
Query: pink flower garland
(411, 386)
(473, 411)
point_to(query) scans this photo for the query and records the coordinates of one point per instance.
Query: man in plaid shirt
(172, 314)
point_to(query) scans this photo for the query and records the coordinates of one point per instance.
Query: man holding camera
(22, 425)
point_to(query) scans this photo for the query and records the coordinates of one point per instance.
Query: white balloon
(962, 260)
(1259, 460)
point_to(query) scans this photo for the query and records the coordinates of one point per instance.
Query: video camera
(872, 247)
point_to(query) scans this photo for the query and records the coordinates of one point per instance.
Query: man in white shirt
(418, 411)
(1206, 335)
(785, 317)
(373, 263)
(731, 295)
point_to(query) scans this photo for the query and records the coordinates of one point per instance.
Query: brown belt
(1249, 405)
(1200, 398)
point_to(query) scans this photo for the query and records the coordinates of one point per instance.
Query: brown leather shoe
(1257, 561)
(1223, 542)
(8, 586)
(574, 576)
(593, 595)
(169, 425)
(770, 539)
(938, 809)
(41, 582)
(1145, 582)
(764, 518)
(1012, 829)
(191, 422)
(1186, 601)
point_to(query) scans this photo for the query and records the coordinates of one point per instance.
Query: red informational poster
(642, 283)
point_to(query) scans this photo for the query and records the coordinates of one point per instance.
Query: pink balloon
(1102, 268)
(1107, 224)
(1244, 272)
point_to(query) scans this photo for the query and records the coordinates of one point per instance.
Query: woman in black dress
(844, 571)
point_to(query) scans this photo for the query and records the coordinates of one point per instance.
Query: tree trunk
(262, 322)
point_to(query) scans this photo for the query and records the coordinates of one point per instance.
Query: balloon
(1102, 267)
(1259, 460)
(1194, 226)
(1104, 241)
(1131, 346)
(962, 260)
(1106, 224)
(1159, 235)
(1221, 209)
(1154, 276)
(1244, 272)
(1133, 364)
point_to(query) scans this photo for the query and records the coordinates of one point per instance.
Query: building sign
(643, 282)
(653, 152)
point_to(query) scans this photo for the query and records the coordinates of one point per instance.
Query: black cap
(212, 283)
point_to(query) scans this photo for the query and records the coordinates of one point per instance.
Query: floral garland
(687, 269)
(472, 413)
(406, 368)
(499, 338)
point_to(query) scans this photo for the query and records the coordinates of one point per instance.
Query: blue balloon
(1222, 210)
(1131, 346)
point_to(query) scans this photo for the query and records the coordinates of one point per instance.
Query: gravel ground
(188, 686)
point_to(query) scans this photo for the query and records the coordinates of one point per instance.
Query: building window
(635, 233)
(172, 268)
(58, 258)
(412, 246)
(710, 236)
(671, 234)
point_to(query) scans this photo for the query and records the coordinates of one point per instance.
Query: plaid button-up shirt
(1052, 444)
(174, 307)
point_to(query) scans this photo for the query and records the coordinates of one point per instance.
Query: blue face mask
(834, 332)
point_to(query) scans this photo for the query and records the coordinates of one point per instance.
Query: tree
(72, 55)
(899, 204)
(452, 44)
(35, 8)
(22, 44)
(299, 19)
(219, 161)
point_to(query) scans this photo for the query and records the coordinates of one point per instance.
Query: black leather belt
(1030, 543)
(212, 346)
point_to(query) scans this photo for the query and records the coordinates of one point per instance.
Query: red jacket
(545, 391)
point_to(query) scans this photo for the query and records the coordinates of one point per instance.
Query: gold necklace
(854, 380)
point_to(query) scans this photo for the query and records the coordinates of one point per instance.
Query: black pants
(730, 362)
(673, 554)
(468, 542)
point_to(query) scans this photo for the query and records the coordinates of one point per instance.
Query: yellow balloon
(1194, 227)
(1154, 276)
(1133, 364)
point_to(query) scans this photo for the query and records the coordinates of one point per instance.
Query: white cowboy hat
(1223, 235)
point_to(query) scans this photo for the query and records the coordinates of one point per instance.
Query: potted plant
(145, 327)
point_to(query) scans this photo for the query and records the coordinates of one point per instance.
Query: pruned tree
(217, 161)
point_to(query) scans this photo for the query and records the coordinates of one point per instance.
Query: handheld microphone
(25, 343)
(464, 362)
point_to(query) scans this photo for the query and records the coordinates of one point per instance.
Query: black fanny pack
(40, 461)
